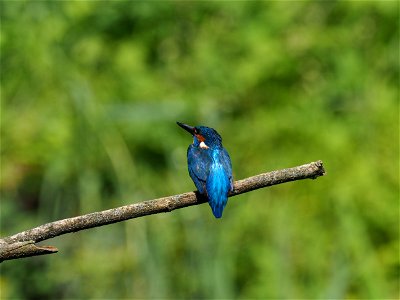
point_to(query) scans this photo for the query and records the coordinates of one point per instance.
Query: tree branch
(23, 244)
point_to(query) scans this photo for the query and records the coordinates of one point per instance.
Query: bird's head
(203, 137)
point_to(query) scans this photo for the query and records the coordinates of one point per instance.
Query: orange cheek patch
(201, 140)
(200, 137)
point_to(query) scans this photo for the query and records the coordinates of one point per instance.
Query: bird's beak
(188, 128)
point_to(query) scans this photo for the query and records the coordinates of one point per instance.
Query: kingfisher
(209, 166)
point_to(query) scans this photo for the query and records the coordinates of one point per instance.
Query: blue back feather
(219, 183)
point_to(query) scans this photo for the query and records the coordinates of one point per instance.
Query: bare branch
(22, 244)
(23, 249)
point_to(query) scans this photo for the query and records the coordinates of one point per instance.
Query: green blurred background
(90, 94)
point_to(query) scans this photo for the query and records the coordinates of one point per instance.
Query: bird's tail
(217, 209)
(218, 186)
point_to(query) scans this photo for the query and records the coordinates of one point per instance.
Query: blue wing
(227, 165)
(199, 163)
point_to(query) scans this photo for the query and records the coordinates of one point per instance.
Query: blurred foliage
(91, 90)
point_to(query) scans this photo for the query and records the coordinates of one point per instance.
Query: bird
(209, 166)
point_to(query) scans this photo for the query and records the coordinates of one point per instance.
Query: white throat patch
(203, 145)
